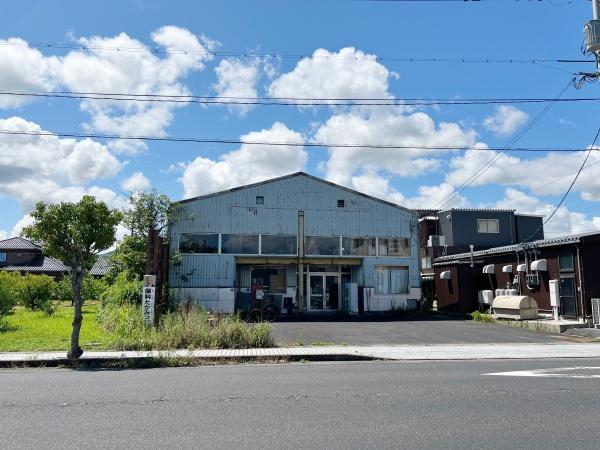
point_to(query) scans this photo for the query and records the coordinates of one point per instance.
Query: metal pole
(595, 10)
(301, 261)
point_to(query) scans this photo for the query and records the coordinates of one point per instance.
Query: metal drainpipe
(580, 276)
(301, 261)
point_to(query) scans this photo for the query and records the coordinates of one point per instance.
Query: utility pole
(592, 34)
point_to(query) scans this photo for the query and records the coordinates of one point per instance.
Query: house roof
(40, 264)
(18, 243)
(293, 175)
(572, 239)
(101, 266)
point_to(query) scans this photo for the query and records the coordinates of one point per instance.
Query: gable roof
(572, 239)
(101, 266)
(40, 264)
(293, 175)
(18, 243)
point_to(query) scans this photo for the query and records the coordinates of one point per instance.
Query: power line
(294, 56)
(496, 157)
(285, 144)
(574, 179)
(286, 101)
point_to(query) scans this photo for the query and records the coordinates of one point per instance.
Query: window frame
(343, 247)
(218, 248)
(408, 247)
(388, 271)
(570, 269)
(487, 221)
(261, 246)
(336, 238)
(222, 241)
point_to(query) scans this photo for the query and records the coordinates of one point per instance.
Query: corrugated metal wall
(236, 212)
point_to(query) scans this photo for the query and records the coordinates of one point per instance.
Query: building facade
(298, 239)
(21, 255)
(563, 267)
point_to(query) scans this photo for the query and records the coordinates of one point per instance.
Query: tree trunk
(77, 275)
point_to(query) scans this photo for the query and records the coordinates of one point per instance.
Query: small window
(340, 203)
(198, 243)
(426, 262)
(2, 257)
(394, 247)
(565, 263)
(260, 200)
(488, 226)
(391, 280)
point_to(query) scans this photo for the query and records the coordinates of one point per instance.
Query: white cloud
(429, 196)
(387, 128)
(24, 68)
(505, 120)
(98, 70)
(236, 78)
(248, 164)
(4, 235)
(564, 222)
(349, 73)
(550, 174)
(136, 182)
(34, 168)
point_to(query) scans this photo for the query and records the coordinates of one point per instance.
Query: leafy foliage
(8, 299)
(129, 258)
(35, 291)
(74, 233)
(123, 291)
(148, 211)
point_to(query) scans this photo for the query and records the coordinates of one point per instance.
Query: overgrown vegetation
(8, 301)
(188, 327)
(123, 291)
(30, 291)
(482, 317)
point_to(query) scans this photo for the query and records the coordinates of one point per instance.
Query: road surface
(452, 404)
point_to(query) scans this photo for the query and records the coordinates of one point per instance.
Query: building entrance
(324, 291)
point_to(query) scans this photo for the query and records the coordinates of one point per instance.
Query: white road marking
(558, 372)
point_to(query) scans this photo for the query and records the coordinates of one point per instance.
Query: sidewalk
(331, 353)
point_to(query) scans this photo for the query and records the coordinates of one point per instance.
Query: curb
(176, 360)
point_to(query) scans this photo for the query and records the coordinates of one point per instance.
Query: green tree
(129, 258)
(148, 211)
(74, 233)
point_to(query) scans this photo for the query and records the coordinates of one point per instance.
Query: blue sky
(55, 169)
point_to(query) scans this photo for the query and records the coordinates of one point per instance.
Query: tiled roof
(513, 248)
(43, 264)
(18, 243)
(101, 266)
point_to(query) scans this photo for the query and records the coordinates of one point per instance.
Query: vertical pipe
(595, 10)
(580, 276)
(301, 261)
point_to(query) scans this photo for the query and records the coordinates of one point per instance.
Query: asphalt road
(433, 330)
(327, 405)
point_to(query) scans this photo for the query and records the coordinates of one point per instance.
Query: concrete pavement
(432, 404)
(398, 353)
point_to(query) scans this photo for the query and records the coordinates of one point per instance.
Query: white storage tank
(516, 307)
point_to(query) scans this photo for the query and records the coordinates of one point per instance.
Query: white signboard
(148, 295)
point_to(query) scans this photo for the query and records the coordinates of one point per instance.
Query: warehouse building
(308, 244)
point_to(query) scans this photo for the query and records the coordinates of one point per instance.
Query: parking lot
(388, 331)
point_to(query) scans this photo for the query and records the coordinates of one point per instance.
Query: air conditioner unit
(436, 241)
(596, 312)
(532, 279)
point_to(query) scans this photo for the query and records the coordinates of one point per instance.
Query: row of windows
(254, 244)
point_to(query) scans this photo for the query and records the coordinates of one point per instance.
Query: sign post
(148, 297)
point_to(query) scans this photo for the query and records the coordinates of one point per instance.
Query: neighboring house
(321, 246)
(18, 254)
(453, 231)
(530, 269)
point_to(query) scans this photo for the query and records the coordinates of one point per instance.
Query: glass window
(329, 246)
(426, 262)
(260, 200)
(488, 226)
(565, 263)
(239, 244)
(198, 243)
(278, 245)
(2, 257)
(394, 247)
(358, 246)
(391, 280)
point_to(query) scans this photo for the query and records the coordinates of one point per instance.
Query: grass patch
(481, 317)
(27, 330)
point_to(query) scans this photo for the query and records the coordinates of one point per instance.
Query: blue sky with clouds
(333, 39)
